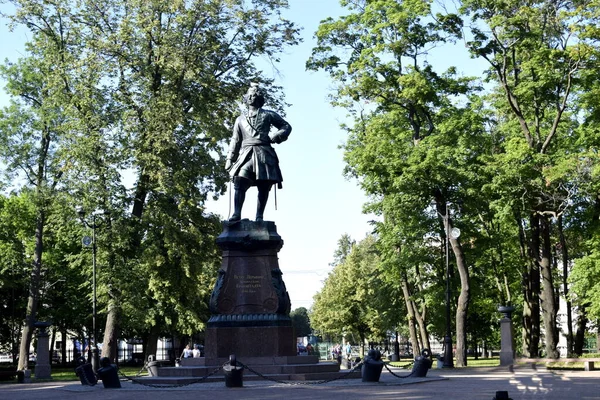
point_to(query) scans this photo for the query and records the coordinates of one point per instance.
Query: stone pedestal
(507, 346)
(250, 305)
(42, 365)
(250, 310)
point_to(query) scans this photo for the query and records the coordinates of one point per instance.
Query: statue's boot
(263, 196)
(238, 201)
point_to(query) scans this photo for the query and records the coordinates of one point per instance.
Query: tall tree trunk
(411, 316)
(462, 306)
(63, 348)
(52, 343)
(579, 340)
(34, 288)
(422, 325)
(531, 290)
(565, 277)
(421, 316)
(548, 297)
(110, 344)
(111, 332)
(152, 343)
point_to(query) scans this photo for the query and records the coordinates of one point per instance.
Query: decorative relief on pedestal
(216, 292)
(284, 299)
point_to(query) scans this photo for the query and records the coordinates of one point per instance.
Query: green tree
(301, 322)
(344, 248)
(352, 301)
(32, 132)
(152, 87)
(17, 219)
(406, 145)
(539, 56)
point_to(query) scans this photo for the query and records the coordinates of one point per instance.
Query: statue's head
(254, 96)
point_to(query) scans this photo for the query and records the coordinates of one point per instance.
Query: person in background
(187, 352)
(309, 349)
(196, 352)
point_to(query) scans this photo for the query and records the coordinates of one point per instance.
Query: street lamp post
(87, 241)
(448, 356)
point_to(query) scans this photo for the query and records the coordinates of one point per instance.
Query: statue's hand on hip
(228, 164)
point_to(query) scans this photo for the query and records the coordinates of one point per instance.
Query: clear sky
(317, 205)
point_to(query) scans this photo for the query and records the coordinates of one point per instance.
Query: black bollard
(422, 364)
(372, 367)
(502, 395)
(86, 375)
(233, 373)
(108, 374)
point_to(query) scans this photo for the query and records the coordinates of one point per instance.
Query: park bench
(588, 363)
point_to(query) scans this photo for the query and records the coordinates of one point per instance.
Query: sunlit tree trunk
(34, 287)
(411, 317)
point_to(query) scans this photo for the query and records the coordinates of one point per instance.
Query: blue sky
(317, 205)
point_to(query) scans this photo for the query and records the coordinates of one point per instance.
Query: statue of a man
(251, 160)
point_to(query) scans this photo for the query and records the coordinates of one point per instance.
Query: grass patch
(483, 362)
(574, 366)
(402, 363)
(66, 374)
(471, 362)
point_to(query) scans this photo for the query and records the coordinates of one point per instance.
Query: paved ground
(463, 384)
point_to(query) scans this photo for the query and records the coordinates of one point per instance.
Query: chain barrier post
(108, 374)
(422, 364)
(501, 395)
(372, 367)
(85, 373)
(152, 366)
(233, 373)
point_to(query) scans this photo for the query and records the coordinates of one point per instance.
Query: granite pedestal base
(264, 341)
(293, 368)
(250, 305)
(250, 310)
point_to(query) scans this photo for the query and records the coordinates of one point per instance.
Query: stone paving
(463, 384)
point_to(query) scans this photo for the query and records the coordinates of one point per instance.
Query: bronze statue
(251, 160)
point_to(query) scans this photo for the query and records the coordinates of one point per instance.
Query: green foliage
(17, 216)
(354, 299)
(301, 322)
(528, 147)
(145, 90)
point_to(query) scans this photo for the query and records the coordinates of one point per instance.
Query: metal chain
(297, 383)
(397, 376)
(144, 367)
(240, 364)
(169, 385)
